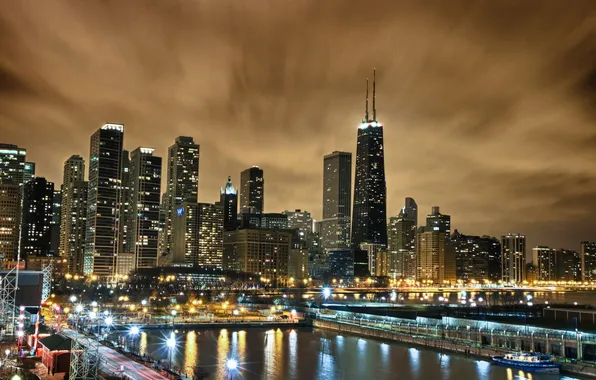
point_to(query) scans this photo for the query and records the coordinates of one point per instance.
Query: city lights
(232, 364)
(326, 293)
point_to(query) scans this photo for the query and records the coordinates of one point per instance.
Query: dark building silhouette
(337, 200)
(228, 199)
(252, 190)
(36, 234)
(476, 257)
(369, 220)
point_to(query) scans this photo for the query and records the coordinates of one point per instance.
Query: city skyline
(511, 185)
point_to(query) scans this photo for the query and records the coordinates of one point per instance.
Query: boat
(528, 361)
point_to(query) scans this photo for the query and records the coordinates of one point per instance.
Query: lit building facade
(182, 184)
(588, 260)
(337, 200)
(101, 237)
(435, 263)
(297, 263)
(513, 258)
(262, 252)
(144, 202)
(301, 221)
(252, 190)
(477, 257)
(12, 164)
(73, 215)
(228, 199)
(198, 235)
(402, 242)
(36, 237)
(55, 224)
(373, 252)
(341, 263)
(124, 205)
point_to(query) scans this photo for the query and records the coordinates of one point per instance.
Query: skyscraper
(36, 236)
(228, 198)
(337, 200)
(124, 206)
(402, 242)
(182, 182)
(252, 190)
(476, 257)
(439, 222)
(588, 260)
(55, 225)
(28, 172)
(513, 258)
(143, 216)
(434, 262)
(73, 215)
(105, 167)
(369, 221)
(12, 179)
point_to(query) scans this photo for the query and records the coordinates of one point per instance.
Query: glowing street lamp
(79, 308)
(94, 304)
(73, 298)
(171, 343)
(326, 293)
(232, 366)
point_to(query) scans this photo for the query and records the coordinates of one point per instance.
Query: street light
(326, 293)
(79, 308)
(94, 304)
(171, 343)
(133, 332)
(144, 302)
(231, 365)
(73, 298)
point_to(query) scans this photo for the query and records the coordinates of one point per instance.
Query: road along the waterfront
(113, 362)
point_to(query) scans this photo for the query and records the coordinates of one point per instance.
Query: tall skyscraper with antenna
(369, 221)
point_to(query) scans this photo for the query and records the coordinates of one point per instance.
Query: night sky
(489, 107)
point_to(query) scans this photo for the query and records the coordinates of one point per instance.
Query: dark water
(315, 354)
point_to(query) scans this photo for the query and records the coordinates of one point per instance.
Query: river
(307, 353)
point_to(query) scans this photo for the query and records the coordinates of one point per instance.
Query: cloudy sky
(489, 107)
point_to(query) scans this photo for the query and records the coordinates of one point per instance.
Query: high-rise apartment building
(55, 225)
(513, 258)
(73, 215)
(228, 199)
(544, 260)
(105, 168)
(12, 179)
(439, 222)
(301, 221)
(198, 235)
(36, 236)
(588, 260)
(28, 172)
(341, 263)
(435, 262)
(182, 183)
(262, 252)
(476, 257)
(369, 220)
(143, 216)
(337, 200)
(402, 242)
(252, 190)
(124, 206)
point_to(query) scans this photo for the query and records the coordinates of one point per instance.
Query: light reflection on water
(313, 354)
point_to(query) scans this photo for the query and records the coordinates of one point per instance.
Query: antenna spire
(366, 112)
(374, 95)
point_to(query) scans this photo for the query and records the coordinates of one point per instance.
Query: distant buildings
(369, 220)
(301, 221)
(252, 190)
(477, 257)
(337, 194)
(12, 177)
(402, 242)
(182, 184)
(228, 199)
(341, 263)
(373, 253)
(435, 260)
(297, 260)
(513, 258)
(260, 220)
(262, 252)
(555, 265)
(588, 260)
(101, 238)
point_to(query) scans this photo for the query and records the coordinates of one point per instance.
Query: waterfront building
(341, 263)
(369, 221)
(381, 263)
(144, 191)
(228, 199)
(544, 260)
(337, 200)
(198, 235)
(568, 266)
(252, 190)
(261, 252)
(513, 258)
(182, 185)
(439, 222)
(588, 260)
(297, 260)
(103, 202)
(402, 242)
(38, 196)
(476, 257)
(73, 216)
(435, 261)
